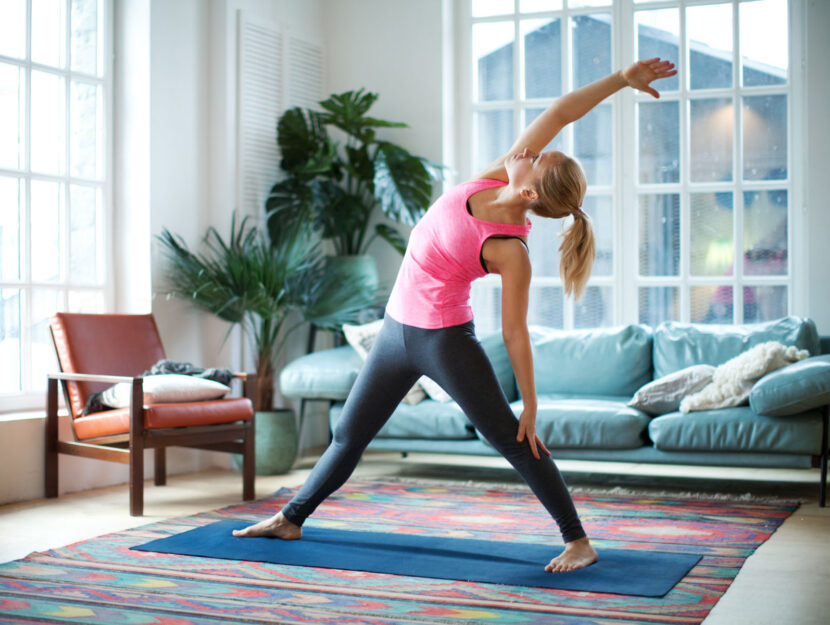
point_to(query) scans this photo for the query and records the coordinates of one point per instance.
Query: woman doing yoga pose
(478, 227)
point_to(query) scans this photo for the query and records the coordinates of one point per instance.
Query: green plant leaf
(304, 143)
(347, 111)
(391, 236)
(403, 184)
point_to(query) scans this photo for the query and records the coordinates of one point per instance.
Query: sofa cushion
(737, 429)
(793, 389)
(601, 361)
(570, 421)
(327, 374)
(428, 419)
(680, 345)
(493, 345)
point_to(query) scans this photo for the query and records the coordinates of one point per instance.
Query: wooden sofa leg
(51, 440)
(160, 466)
(822, 491)
(249, 462)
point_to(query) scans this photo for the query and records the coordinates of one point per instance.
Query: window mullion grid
(66, 228)
(685, 152)
(25, 288)
(625, 140)
(738, 198)
(567, 140)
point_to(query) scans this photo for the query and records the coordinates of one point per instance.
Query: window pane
(11, 227)
(659, 149)
(86, 302)
(10, 347)
(765, 233)
(594, 145)
(546, 306)
(659, 230)
(84, 235)
(485, 299)
(48, 133)
(85, 140)
(12, 114)
(543, 58)
(591, 45)
(534, 6)
(596, 310)
(658, 304)
(558, 142)
(45, 303)
(85, 36)
(495, 136)
(588, 3)
(543, 243)
(658, 34)
(485, 8)
(13, 28)
(711, 242)
(711, 139)
(709, 40)
(765, 137)
(493, 59)
(49, 32)
(764, 303)
(711, 304)
(47, 209)
(764, 42)
(601, 211)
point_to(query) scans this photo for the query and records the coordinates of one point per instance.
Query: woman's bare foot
(578, 554)
(276, 527)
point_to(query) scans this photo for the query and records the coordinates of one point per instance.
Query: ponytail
(561, 191)
(577, 252)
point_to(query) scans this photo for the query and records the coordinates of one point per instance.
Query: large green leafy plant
(341, 183)
(269, 286)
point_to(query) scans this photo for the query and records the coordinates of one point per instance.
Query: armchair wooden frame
(128, 448)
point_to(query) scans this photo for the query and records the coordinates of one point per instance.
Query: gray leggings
(454, 358)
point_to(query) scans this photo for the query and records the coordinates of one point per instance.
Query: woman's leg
(454, 358)
(381, 385)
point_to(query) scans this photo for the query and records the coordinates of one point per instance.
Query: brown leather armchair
(96, 351)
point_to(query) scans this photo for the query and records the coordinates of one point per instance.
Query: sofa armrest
(327, 374)
(793, 389)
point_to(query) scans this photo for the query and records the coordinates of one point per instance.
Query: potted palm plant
(269, 286)
(342, 183)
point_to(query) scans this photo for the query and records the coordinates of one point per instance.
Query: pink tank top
(442, 259)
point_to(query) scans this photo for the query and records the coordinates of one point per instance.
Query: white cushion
(166, 388)
(665, 394)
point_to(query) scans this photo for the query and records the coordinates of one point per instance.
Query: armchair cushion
(794, 389)
(111, 422)
(166, 388)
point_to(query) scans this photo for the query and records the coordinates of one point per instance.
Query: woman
(479, 226)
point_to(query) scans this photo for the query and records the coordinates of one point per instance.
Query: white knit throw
(733, 380)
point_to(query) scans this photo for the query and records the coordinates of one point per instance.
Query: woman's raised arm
(573, 105)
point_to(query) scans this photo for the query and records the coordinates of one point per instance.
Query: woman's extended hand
(642, 73)
(527, 429)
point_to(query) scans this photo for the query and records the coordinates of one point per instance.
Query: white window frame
(31, 396)
(459, 116)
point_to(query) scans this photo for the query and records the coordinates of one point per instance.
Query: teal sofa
(585, 380)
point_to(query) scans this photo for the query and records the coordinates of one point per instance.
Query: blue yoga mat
(624, 572)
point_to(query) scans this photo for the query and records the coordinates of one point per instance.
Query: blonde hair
(561, 191)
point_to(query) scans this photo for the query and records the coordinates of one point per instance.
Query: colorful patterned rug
(103, 581)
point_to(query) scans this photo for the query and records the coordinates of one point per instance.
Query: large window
(689, 195)
(54, 179)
